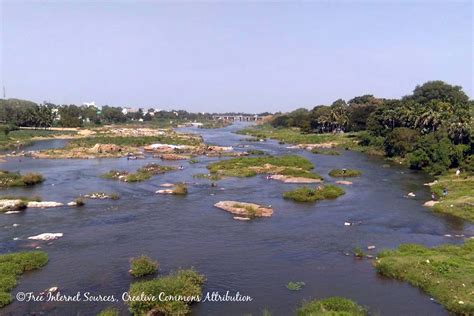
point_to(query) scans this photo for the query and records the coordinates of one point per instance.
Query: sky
(220, 56)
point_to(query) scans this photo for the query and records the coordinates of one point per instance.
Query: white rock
(411, 194)
(347, 224)
(430, 203)
(72, 203)
(44, 204)
(241, 218)
(16, 225)
(370, 247)
(46, 236)
(12, 212)
(167, 191)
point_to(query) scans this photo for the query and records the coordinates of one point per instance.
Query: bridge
(242, 118)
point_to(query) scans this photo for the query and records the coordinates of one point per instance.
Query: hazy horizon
(230, 57)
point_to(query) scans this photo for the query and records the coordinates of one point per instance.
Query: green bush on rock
(345, 173)
(305, 194)
(332, 306)
(142, 266)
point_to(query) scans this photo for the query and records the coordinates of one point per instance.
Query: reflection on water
(301, 242)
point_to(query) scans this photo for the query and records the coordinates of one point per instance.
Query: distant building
(89, 103)
(125, 111)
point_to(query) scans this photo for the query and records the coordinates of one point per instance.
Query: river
(300, 242)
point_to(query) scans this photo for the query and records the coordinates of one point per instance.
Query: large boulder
(11, 205)
(244, 209)
(106, 148)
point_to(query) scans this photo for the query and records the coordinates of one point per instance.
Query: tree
(439, 90)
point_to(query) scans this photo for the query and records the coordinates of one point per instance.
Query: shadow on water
(301, 242)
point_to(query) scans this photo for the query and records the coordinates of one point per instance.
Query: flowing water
(300, 242)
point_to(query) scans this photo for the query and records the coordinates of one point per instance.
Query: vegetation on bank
(332, 306)
(459, 198)
(430, 130)
(256, 152)
(13, 138)
(293, 135)
(142, 266)
(142, 174)
(290, 165)
(305, 194)
(16, 179)
(208, 176)
(13, 265)
(345, 173)
(184, 285)
(445, 272)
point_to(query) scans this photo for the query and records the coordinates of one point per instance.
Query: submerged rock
(430, 203)
(46, 236)
(44, 204)
(244, 209)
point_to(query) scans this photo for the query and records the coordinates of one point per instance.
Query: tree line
(431, 128)
(16, 112)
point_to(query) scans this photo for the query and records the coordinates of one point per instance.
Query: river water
(300, 242)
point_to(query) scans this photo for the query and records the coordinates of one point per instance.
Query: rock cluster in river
(244, 210)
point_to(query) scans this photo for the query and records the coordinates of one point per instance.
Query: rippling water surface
(300, 242)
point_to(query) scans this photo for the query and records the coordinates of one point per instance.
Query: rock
(241, 218)
(101, 195)
(448, 235)
(11, 205)
(53, 289)
(16, 238)
(347, 224)
(16, 225)
(411, 194)
(12, 212)
(431, 183)
(219, 148)
(105, 148)
(167, 185)
(165, 191)
(72, 203)
(344, 182)
(44, 204)
(243, 209)
(430, 203)
(370, 247)
(46, 236)
(289, 179)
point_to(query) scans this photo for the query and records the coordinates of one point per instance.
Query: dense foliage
(431, 128)
(331, 306)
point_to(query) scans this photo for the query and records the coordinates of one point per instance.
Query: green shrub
(345, 173)
(295, 286)
(332, 306)
(109, 311)
(142, 266)
(180, 189)
(186, 285)
(400, 141)
(305, 194)
(15, 179)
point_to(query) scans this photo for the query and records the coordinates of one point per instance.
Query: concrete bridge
(243, 118)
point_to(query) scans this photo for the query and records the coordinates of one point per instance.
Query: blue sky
(231, 56)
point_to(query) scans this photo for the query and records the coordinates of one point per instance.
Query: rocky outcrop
(11, 205)
(244, 209)
(290, 179)
(46, 236)
(105, 148)
(44, 204)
